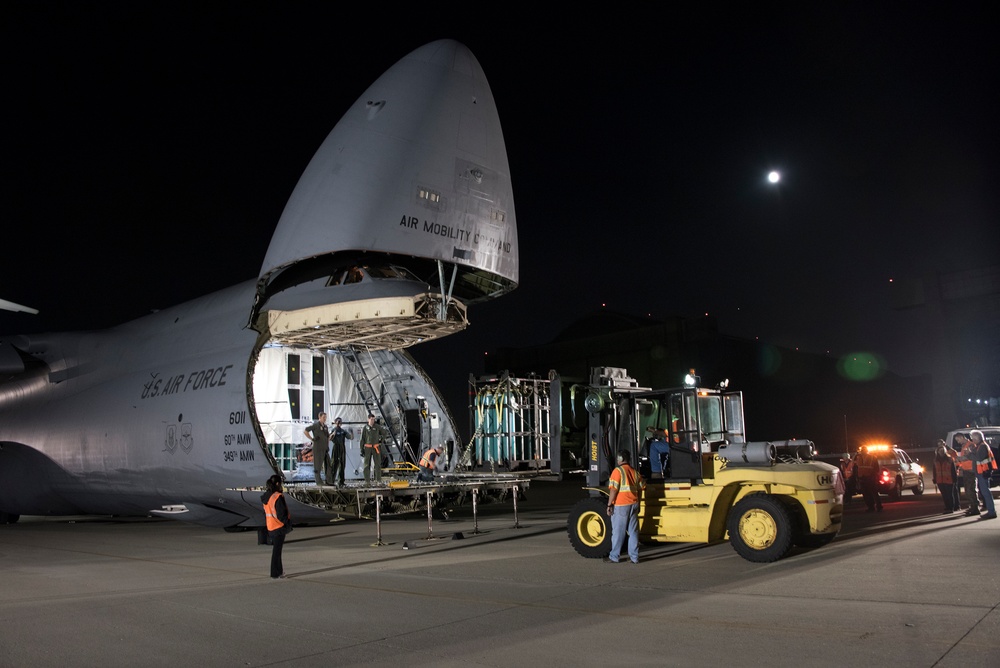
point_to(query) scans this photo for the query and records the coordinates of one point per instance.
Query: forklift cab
(693, 421)
(697, 422)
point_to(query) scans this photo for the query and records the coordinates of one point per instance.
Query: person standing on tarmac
(945, 476)
(847, 473)
(278, 523)
(866, 471)
(371, 439)
(967, 464)
(624, 488)
(985, 464)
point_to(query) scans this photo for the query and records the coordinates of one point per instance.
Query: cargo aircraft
(403, 219)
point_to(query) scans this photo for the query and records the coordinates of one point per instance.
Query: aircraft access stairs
(399, 448)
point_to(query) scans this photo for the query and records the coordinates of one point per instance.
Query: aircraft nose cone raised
(416, 168)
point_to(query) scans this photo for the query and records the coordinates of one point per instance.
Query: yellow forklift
(704, 481)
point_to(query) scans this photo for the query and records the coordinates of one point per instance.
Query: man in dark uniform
(338, 436)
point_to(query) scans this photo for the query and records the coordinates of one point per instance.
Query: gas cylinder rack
(510, 419)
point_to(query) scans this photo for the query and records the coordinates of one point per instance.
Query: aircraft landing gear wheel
(589, 528)
(919, 489)
(760, 528)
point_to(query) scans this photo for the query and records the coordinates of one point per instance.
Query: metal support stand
(430, 533)
(475, 512)
(378, 521)
(517, 525)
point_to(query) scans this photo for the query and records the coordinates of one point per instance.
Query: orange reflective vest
(965, 460)
(675, 426)
(271, 512)
(427, 460)
(629, 484)
(866, 465)
(944, 471)
(986, 464)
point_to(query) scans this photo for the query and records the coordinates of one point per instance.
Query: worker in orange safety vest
(983, 459)
(278, 520)
(428, 462)
(866, 469)
(945, 475)
(624, 489)
(967, 466)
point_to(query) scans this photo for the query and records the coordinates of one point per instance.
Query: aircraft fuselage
(403, 218)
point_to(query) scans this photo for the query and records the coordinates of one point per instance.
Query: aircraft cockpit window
(358, 274)
(354, 275)
(391, 271)
(406, 273)
(345, 276)
(383, 272)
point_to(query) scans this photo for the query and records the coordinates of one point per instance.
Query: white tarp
(270, 388)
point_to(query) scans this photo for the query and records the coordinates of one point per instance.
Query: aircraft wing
(16, 308)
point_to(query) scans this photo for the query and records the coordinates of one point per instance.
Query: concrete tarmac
(905, 587)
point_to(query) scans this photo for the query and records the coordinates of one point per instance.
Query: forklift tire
(760, 528)
(589, 528)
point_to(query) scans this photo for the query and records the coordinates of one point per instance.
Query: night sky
(149, 149)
